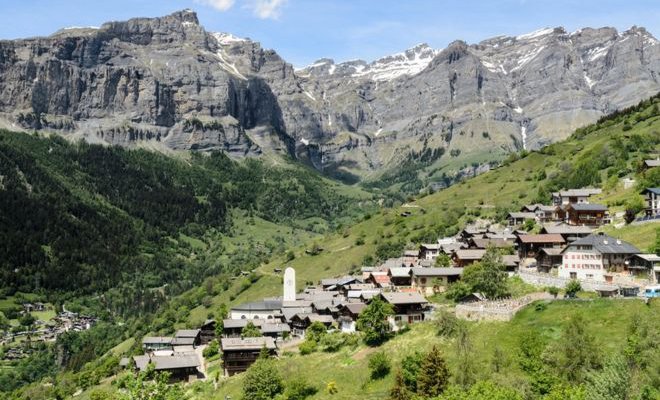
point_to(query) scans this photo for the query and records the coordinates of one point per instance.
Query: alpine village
(162, 243)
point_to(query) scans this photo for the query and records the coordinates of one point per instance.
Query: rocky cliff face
(167, 81)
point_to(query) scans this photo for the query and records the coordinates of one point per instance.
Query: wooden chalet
(232, 328)
(348, 316)
(187, 337)
(156, 343)
(648, 164)
(300, 322)
(570, 233)
(379, 279)
(275, 330)
(529, 245)
(645, 266)
(463, 258)
(399, 276)
(207, 331)
(548, 258)
(433, 280)
(484, 243)
(180, 366)
(408, 307)
(410, 257)
(584, 214)
(239, 354)
(519, 218)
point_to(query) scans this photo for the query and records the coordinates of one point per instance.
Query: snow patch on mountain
(227, 38)
(536, 34)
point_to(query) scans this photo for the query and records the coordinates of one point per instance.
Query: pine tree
(465, 374)
(399, 391)
(433, 374)
(610, 383)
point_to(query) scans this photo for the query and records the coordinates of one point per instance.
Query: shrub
(572, 288)
(212, 349)
(299, 389)
(379, 365)
(554, 291)
(447, 323)
(308, 347)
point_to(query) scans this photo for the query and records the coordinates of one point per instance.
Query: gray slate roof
(265, 305)
(588, 207)
(156, 340)
(436, 271)
(605, 244)
(565, 229)
(652, 190)
(241, 323)
(188, 333)
(162, 363)
(247, 344)
(403, 298)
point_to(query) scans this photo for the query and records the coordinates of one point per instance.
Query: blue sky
(305, 30)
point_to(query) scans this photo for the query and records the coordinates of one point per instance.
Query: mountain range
(167, 83)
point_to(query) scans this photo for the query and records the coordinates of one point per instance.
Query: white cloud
(220, 5)
(267, 9)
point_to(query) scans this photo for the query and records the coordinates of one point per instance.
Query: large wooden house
(180, 366)
(239, 354)
(584, 214)
(529, 245)
(408, 307)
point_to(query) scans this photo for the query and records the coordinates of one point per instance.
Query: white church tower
(289, 284)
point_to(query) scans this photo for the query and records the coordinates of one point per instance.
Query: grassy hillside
(608, 320)
(600, 155)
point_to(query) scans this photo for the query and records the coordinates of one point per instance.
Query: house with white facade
(595, 257)
(574, 196)
(652, 197)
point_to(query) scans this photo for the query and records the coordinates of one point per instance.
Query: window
(590, 276)
(573, 275)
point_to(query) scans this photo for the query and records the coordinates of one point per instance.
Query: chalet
(432, 280)
(595, 257)
(463, 258)
(645, 266)
(348, 316)
(275, 330)
(584, 214)
(408, 307)
(472, 231)
(326, 307)
(511, 262)
(232, 328)
(239, 354)
(290, 312)
(379, 279)
(548, 258)
(155, 343)
(410, 257)
(343, 291)
(187, 337)
(399, 276)
(363, 295)
(652, 197)
(519, 218)
(266, 309)
(207, 331)
(429, 251)
(529, 245)
(574, 196)
(179, 366)
(300, 322)
(570, 233)
(542, 212)
(478, 243)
